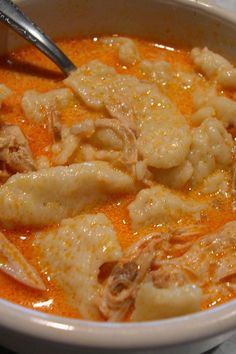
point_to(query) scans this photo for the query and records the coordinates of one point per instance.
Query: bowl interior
(181, 23)
(175, 23)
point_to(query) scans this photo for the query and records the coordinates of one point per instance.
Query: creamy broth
(27, 69)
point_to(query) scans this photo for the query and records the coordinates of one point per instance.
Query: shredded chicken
(188, 231)
(54, 123)
(130, 152)
(87, 128)
(208, 263)
(121, 109)
(122, 284)
(15, 154)
(15, 265)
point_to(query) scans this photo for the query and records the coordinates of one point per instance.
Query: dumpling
(225, 109)
(36, 104)
(153, 304)
(208, 62)
(127, 50)
(159, 205)
(217, 182)
(175, 177)
(4, 93)
(49, 195)
(73, 254)
(209, 104)
(213, 65)
(90, 82)
(164, 140)
(163, 134)
(157, 71)
(211, 149)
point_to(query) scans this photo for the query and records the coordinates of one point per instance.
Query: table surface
(228, 347)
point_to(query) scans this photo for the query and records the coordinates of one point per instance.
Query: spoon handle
(12, 16)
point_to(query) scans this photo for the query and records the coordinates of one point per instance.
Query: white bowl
(177, 22)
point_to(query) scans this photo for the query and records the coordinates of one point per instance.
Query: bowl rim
(184, 329)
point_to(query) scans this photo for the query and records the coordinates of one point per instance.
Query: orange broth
(27, 69)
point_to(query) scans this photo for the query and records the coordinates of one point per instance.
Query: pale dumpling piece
(209, 104)
(157, 71)
(175, 177)
(127, 50)
(73, 254)
(201, 114)
(211, 149)
(159, 205)
(36, 104)
(217, 182)
(214, 66)
(90, 82)
(49, 195)
(4, 93)
(64, 149)
(164, 140)
(225, 110)
(154, 303)
(208, 62)
(163, 134)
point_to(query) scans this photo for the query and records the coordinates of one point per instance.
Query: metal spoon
(12, 16)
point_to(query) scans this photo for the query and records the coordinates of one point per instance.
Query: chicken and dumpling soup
(118, 183)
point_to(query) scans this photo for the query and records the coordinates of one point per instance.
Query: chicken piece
(15, 154)
(16, 266)
(208, 263)
(54, 122)
(213, 257)
(120, 108)
(122, 285)
(129, 153)
(177, 285)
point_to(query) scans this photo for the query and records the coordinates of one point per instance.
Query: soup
(118, 182)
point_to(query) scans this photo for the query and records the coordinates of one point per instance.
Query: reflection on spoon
(12, 16)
